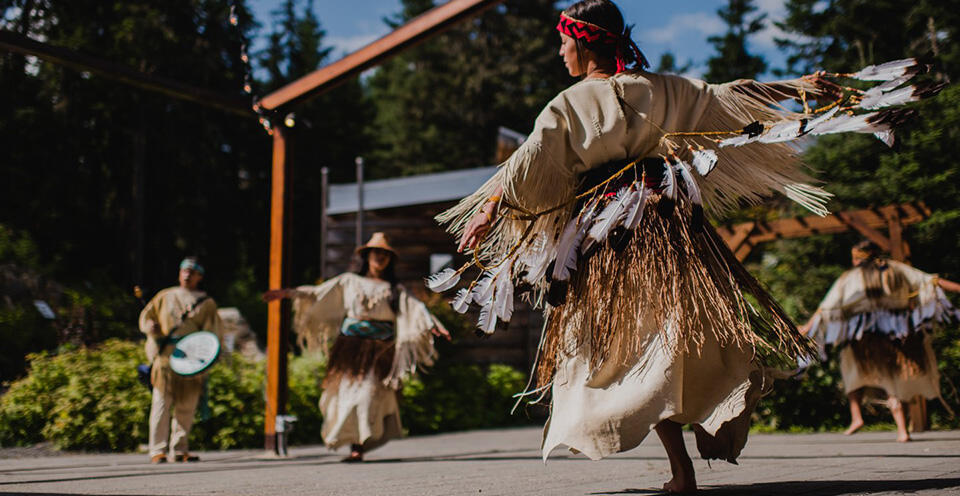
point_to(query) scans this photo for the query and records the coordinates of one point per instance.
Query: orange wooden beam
(278, 311)
(419, 29)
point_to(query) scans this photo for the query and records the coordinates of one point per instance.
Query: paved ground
(507, 462)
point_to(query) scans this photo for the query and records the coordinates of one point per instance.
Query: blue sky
(679, 26)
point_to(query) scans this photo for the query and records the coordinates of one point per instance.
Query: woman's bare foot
(356, 454)
(854, 427)
(683, 482)
(903, 438)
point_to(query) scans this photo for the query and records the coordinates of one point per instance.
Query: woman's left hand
(440, 331)
(478, 226)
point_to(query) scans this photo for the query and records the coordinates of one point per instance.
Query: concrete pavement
(507, 462)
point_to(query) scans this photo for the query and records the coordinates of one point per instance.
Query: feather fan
(610, 217)
(443, 280)
(888, 70)
(693, 192)
(573, 234)
(461, 303)
(668, 195)
(704, 160)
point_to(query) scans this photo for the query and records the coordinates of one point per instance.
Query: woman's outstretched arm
(948, 285)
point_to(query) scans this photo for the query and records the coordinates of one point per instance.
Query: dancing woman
(380, 334)
(655, 330)
(881, 313)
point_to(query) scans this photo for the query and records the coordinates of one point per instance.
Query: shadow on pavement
(820, 488)
(21, 493)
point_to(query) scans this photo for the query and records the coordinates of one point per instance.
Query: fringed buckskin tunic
(364, 369)
(661, 330)
(885, 339)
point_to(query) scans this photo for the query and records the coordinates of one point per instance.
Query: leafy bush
(306, 373)
(90, 399)
(82, 399)
(236, 405)
(460, 397)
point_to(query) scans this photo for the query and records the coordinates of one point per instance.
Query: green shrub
(946, 343)
(90, 399)
(81, 399)
(306, 373)
(236, 405)
(461, 397)
(25, 406)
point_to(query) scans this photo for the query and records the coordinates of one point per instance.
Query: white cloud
(775, 11)
(698, 24)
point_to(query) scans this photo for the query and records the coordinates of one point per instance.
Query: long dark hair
(878, 280)
(389, 274)
(607, 15)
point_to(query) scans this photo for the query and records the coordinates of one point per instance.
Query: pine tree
(733, 60)
(668, 64)
(438, 106)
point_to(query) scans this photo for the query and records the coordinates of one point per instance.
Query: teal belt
(368, 329)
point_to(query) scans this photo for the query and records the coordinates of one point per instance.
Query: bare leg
(684, 480)
(896, 408)
(856, 416)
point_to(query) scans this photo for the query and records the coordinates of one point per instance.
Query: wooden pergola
(742, 238)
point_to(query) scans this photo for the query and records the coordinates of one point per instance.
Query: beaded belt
(368, 329)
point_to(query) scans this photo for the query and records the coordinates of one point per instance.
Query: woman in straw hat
(880, 313)
(380, 334)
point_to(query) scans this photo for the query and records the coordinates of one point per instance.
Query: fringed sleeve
(757, 170)
(539, 175)
(827, 324)
(318, 312)
(414, 341)
(928, 302)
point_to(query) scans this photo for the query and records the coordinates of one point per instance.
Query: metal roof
(409, 190)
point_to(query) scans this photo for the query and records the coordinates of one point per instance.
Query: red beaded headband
(591, 34)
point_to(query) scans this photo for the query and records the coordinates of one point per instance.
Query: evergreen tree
(82, 131)
(438, 106)
(668, 64)
(840, 34)
(733, 60)
(74, 142)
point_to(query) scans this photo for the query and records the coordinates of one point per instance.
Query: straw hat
(377, 240)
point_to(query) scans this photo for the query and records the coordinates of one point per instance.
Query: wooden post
(324, 203)
(359, 219)
(278, 311)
